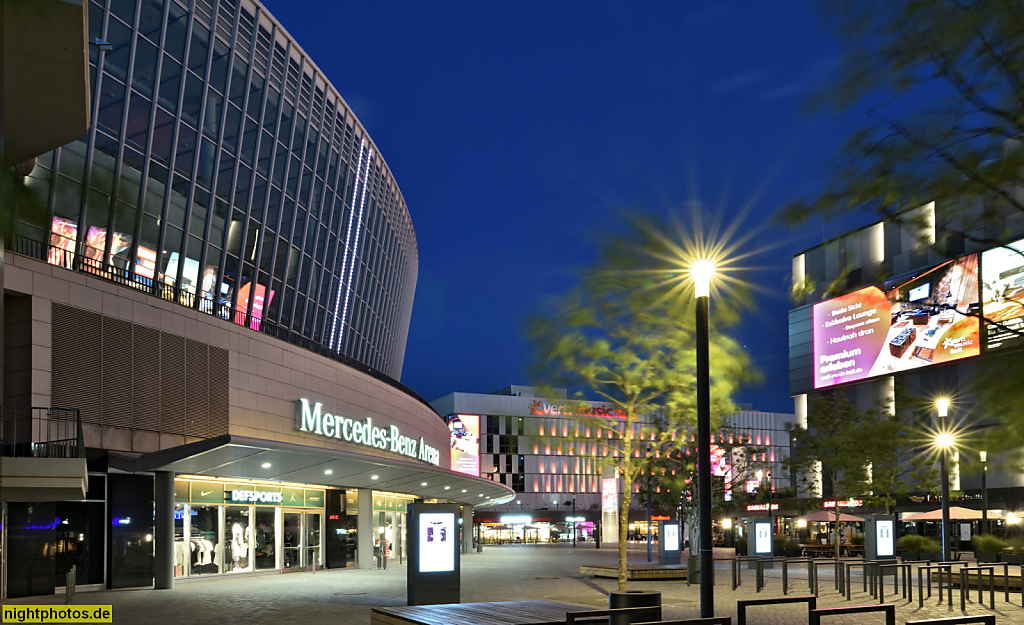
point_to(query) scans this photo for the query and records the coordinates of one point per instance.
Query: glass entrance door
(292, 541)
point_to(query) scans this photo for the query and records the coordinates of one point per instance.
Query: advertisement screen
(465, 438)
(1002, 280)
(879, 331)
(884, 538)
(438, 536)
(609, 493)
(671, 537)
(763, 538)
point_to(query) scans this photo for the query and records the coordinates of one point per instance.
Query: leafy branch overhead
(939, 88)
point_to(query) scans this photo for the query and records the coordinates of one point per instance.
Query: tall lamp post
(701, 272)
(984, 491)
(944, 440)
(648, 505)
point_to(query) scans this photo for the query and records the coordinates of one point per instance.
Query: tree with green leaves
(831, 452)
(625, 335)
(894, 448)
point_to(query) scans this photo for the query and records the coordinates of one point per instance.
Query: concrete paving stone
(500, 573)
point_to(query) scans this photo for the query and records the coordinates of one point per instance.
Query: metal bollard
(69, 585)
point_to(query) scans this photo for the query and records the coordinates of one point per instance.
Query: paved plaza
(500, 573)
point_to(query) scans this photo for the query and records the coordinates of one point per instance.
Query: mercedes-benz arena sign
(314, 421)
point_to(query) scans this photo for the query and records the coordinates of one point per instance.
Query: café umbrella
(956, 513)
(822, 516)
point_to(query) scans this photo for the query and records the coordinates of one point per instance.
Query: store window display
(237, 531)
(205, 557)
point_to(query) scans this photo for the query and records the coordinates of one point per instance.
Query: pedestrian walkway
(500, 573)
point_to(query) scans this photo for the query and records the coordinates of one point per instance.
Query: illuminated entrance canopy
(314, 421)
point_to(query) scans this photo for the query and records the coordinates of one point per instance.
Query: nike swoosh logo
(205, 493)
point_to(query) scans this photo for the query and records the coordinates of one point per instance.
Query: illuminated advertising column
(879, 537)
(759, 540)
(669, 542)
(433, 534)
(609, 508)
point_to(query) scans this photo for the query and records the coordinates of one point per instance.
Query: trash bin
(635, 599)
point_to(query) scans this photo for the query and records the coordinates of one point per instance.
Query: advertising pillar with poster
(879, 536)
(434, 568)
(610, 508)
(465, 438)
(669, 547)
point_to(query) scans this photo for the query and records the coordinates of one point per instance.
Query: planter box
(910, 556)
(931, 556)
(1012, 559)
(981, 556)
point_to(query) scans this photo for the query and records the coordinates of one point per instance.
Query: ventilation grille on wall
(121, 374)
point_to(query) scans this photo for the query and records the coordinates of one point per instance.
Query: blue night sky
(518, 130)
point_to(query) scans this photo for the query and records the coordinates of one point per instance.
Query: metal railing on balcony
(41, 432)
(90, 261)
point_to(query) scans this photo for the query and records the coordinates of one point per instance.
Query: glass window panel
(176, 204)
(125, 218)
(145, 261)
(265, 153)
(212, 114)
(137, 128)
(259, 195)
(144, 74)
(72, 160)
(177, 31)
(111, 106)
(124, 9)
(204, 174)
(255, 96)
(171, 253)
(198, 48)
(220, 215)
(69, 199)
(186, 149)
(190, 272)
(115, 62)
(236, 92)
(197, 222)
(170, 84)
(231, 128)
(241, 201)
(96, 216)
(128, 186)
(224, 173)
(151, 17)
(192, 101)
(219, 65)
(248, 149)
(270, 112)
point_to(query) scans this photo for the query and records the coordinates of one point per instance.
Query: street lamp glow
(727, 524)
(944, 440)
(759, 474)
(983, 456)
(701, 272)
(801, 523)
(942, 405)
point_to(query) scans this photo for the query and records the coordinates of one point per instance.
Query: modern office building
(546, 448)
(907, 316)
(209, 298)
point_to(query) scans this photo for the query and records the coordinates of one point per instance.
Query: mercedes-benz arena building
(217, 286)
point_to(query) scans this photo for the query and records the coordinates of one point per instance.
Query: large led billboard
(1002, 277)
(909, 322)
(465, 438)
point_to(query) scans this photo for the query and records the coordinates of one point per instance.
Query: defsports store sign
(315, 421)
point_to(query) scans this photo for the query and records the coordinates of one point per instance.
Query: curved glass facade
(223, 171)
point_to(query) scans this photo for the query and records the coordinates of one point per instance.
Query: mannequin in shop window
(239, 548)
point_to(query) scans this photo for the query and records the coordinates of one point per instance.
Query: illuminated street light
(944, 440)
(983, 456)
(701, 273)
